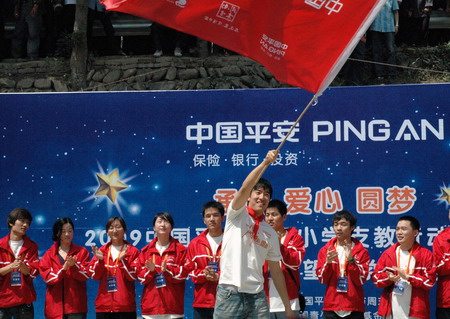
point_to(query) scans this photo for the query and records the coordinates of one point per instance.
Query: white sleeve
(231, 213)
(274, 253)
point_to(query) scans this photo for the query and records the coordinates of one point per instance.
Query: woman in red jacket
(64, 270)
(111, 265)
(161, 271)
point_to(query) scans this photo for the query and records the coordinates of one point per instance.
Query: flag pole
(313, 101)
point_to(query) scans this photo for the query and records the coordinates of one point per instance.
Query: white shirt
(341, 257)
(115, 250)
(401, 303)
(160, 248)
(242, 256)
(16, 246)
(214, 242)
(276, 304)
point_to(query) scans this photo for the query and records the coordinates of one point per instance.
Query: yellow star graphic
(445, 194)
(110, 185)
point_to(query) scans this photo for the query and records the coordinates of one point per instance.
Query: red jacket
(199, 253)
(422, 280)
(168, 299)
(441, 251)
(24, 294)
(357, 273)
(66, 289)
(292, 253)
(124, 299)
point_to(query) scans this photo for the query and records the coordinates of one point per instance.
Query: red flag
(302, 42)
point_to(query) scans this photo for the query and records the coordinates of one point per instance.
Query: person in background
(406, 273)
(64, 268)
(203, 259)
(28, 26)
(96, 10)
(343, 266)
(418, 20)
(160, 268)
(163, 36)
(382, 35)
(441, 253)
(2, 30)
(111, 265)
(20, 265)
(293, 251)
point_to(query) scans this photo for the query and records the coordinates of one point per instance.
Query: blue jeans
(281, 315)
(26, 26)
(25, 311)
(379, 41)
(203, 313)
(231, 304)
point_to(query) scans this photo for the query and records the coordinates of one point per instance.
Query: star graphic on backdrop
(110, 185)
(445, 196)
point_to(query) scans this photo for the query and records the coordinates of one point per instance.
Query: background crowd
(43, 28)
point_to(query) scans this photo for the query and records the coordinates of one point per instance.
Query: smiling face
(342, 229)
(66, 236)
(275, 219)
(162, 227)
(259, 200)
(20, 227)
(116, 232)
(406, 235)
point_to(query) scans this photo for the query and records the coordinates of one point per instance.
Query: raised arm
(244, 192)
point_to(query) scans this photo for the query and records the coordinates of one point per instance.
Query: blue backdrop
(380, 152)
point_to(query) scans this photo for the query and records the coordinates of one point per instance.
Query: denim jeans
(25, 26)
(231, 304)
(203, 313)
(442, 313)
(25, 311)
(281, 315)
(379, 41)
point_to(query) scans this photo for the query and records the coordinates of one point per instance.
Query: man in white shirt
(248, 242)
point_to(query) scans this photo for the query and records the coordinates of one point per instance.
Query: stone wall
(138, 73)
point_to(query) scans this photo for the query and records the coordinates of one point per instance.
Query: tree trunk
(78, 59)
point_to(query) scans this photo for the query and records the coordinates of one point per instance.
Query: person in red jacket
(441, 252)
(406, 273)
(64, 268)
(203, 259)
(160, 270)
(343, 266)
(292, 249)
(112, 266)
(19, 266)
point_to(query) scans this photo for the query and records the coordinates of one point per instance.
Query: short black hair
(18, 213)
(278, 204)
(415, 224)
(112, 219)
(58, 226)
(265, 185)
(344, 214)
(166, 216)
(213, 204)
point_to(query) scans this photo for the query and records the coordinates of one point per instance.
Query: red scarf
(257, 220)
